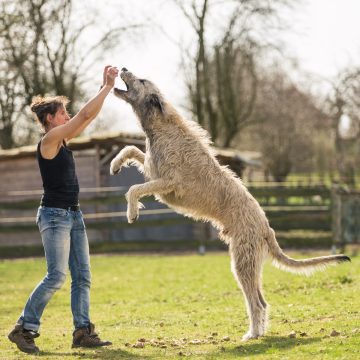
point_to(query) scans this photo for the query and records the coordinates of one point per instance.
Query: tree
(222, 90)
(234, 66)
(288, 124)
(43, 53)
(343, 104)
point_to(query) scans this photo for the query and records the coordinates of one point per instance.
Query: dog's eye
(142, 81)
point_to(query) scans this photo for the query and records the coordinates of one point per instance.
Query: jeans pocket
(80, 221)
(58, 212)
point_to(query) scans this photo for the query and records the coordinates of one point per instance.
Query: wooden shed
(101, 196)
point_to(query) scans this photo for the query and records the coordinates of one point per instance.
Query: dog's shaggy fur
(182, 172)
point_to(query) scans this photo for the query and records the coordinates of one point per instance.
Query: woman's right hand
(106, 68)
(110, 74)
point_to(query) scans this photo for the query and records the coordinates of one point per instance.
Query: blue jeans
(65, 243)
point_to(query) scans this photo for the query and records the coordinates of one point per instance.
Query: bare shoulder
(48, 148)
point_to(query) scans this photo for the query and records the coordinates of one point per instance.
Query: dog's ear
(155, 102)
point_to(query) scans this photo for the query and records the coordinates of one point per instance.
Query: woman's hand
(109, 75)
(106, 68)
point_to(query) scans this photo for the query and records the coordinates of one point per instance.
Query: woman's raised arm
(86, 114)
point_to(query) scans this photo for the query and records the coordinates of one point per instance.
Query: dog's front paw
(115, 166)
(132, 214)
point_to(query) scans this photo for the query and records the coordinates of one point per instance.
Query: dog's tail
(305, 266)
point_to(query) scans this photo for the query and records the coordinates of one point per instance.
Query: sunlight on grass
(190, 306)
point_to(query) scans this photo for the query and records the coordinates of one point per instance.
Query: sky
(328, 36)
(325, 38)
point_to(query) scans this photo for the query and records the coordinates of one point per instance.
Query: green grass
(181, 300)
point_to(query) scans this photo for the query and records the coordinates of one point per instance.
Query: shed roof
(109, 140)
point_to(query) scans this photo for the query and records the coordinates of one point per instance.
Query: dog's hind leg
(246, 267)
(264, 315)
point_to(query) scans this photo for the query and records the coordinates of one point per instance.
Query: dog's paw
(132, 220)
(249, 336)
(133, 212)
(115, 166)
(132, 215)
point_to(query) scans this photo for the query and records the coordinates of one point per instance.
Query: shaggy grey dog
(182, 172)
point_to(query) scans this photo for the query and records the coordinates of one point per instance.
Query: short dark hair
(41, 106)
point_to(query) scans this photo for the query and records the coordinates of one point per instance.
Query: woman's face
(61, 117)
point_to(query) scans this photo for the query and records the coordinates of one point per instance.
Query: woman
(60, 220)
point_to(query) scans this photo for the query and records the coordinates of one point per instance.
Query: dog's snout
(124, 69)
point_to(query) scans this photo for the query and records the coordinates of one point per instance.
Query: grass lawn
(190, 306)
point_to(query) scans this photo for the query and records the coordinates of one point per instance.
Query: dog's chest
(158, 164)
(151, 166)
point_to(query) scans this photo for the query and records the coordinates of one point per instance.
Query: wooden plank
(29, 225)
(274, 212)
(285, 192)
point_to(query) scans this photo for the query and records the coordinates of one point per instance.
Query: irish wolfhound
(182, 172)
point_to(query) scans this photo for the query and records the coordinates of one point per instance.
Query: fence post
(336, 218)
(345, 207)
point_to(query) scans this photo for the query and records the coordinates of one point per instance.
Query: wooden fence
(300, 215)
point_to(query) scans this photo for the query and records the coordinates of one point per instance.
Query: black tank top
(60, 183)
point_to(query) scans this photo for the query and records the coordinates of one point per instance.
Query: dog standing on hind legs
(182, 172)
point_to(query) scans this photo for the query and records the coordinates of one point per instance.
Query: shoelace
(29, 338)
(94, 338)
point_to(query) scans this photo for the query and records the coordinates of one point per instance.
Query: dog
(182, 172)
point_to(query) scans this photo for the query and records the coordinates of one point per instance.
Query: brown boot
(24, 339)
(87, 337)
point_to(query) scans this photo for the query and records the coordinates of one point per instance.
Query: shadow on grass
(256, 347)
(100, 353)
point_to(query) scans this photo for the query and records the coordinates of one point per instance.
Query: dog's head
(141, 94)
